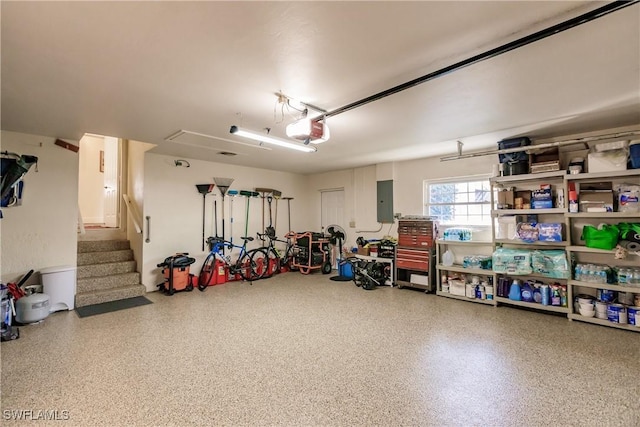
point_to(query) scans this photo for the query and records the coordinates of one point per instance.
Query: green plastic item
(605, 236)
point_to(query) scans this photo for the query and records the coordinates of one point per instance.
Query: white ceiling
(145, 70)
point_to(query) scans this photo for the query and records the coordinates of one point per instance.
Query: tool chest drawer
(416, 241)
(417, 233)
(412, 259)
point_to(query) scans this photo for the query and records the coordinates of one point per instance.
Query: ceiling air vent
(216, 144)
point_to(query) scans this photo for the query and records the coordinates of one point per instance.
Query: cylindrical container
(601, 310)
(544, 294)
(445, 286)
(32, 308)
(617, 313)
(605, 295)
(634, 316)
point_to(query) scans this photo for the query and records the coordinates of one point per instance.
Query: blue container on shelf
(634, 155)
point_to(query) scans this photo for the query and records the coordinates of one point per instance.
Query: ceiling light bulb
(270, 139)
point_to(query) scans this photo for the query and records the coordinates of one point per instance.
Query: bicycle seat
(247, 239)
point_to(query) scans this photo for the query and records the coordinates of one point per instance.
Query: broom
(204, 189)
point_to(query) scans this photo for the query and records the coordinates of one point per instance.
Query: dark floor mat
(108, 307)
(341, 278)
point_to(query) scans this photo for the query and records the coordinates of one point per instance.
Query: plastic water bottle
(577, 274)
(544, 294)
(624, 276)
(591, 273)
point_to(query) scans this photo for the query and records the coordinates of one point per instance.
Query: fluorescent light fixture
(309, 130)
(270, 139)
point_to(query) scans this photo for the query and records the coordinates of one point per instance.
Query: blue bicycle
(250, 265)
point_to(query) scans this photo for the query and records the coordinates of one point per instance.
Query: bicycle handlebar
(262, 236)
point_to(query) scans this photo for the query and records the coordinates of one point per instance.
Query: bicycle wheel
(273, 263)
(289, 258)
(206, 272)
(255, 265)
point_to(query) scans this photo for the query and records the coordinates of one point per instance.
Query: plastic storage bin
(634, 155)
(345, 269)
(60, 284)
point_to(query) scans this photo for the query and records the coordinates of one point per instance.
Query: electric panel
(385, 201)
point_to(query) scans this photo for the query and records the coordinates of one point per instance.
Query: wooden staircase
(106, 272)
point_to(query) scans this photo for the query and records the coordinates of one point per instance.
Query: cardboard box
(363, 250)
(506, 199)
(419, 279)
(595, 201)
(541, 199)
(545, 155)
(545, 160)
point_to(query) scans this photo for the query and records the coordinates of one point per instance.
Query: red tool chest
(417, 233)
(414, 254)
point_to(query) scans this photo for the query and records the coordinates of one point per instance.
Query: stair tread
(84, 258)
(93, 246)
(106, 272)
(84, 299)
(106, 291)
(129, 273)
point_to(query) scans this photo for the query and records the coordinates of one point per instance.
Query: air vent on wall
(227, 153)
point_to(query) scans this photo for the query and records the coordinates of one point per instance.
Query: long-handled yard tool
(270, 231)
(276, 195)
(288, 199)
(263, 194)
(232, 194)
(248, 195)
(223, 185)
(204, 189)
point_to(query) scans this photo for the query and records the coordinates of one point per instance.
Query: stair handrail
(132, 210)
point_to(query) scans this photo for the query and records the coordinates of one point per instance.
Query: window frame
(426, 190)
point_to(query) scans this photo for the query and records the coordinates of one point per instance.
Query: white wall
(135, 191)
(174, 206)
(360, 190)
(43, 231)
(91, 180)
(410, 177)
(360, 187)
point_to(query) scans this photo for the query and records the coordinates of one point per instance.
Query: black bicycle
(277, 260)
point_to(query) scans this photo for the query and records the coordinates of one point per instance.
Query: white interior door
(111, 198)
(332, 205)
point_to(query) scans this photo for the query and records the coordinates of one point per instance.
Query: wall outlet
(352, 224)
(397, 215)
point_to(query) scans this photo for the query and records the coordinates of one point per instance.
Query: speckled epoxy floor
(303, 350)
